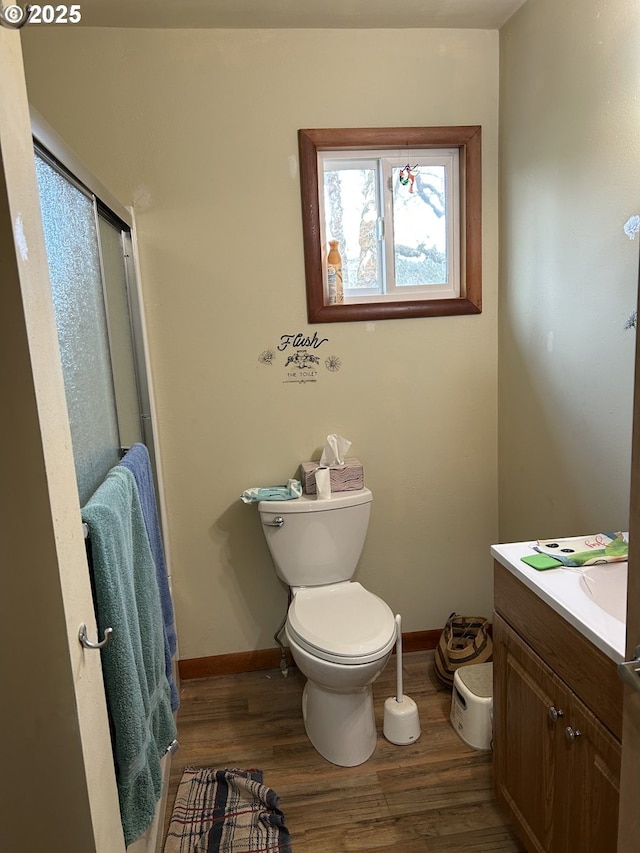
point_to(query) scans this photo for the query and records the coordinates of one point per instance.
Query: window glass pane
(351, 218)
(74, 269)
(419, 225)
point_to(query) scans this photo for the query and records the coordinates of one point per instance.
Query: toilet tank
(316, 541)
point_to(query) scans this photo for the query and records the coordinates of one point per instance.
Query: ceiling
(298, 14)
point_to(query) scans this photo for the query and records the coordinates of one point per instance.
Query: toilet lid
(342, 621)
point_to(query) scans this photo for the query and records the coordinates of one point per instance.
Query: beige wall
(197, 130)
(570, 178)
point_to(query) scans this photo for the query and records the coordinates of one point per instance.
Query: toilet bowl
(341, 638)
(340, 635)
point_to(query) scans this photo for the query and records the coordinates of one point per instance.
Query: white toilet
(340, 635)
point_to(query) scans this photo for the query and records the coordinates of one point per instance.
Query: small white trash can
(471, 704)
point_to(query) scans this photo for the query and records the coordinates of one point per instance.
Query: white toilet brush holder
(401, 724)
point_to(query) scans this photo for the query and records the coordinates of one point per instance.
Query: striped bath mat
(226, 811)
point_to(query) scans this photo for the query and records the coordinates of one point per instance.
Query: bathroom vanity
(557, 707)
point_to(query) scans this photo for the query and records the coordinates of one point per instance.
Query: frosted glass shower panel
(76, 281)
(122, 348)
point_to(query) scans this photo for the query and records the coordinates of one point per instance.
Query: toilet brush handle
(398, 658)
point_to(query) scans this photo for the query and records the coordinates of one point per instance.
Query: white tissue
(323, 482)
(334, 452)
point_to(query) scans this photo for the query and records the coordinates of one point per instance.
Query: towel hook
(86, 642)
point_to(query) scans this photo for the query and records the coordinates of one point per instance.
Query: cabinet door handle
(572, 734)
(555, 713)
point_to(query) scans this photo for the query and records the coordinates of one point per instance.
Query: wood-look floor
(433, 795)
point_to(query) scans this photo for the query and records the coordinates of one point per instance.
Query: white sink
(606, 584)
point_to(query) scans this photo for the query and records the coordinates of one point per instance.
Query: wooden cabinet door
(591, 785)
(525, 736)
(557, 767)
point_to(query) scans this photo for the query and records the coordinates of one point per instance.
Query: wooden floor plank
(431, 796)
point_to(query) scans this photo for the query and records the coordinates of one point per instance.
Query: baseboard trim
(237, 662)
(420, 641)
(230, 664)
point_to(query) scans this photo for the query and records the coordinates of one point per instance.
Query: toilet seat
(343, 623)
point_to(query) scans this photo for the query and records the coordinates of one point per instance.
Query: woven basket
(464, 641)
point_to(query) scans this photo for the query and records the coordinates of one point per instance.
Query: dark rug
(226, 811)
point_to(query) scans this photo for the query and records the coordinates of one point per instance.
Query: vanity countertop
(561, 590)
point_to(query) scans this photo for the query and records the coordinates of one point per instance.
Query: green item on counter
(541, 562)
(585, 550)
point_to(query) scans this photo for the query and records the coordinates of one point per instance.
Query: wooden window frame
(468, 139)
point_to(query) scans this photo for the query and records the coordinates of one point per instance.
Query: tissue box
(345, 479)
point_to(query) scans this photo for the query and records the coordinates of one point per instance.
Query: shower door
(89, 257)
(98, 317)
(100, 332)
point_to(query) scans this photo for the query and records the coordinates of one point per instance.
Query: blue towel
(138, 462)
(136, 687)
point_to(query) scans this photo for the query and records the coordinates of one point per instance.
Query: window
(403, 208)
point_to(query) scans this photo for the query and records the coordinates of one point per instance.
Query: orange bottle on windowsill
(334, 259)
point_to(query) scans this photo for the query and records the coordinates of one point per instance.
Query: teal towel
(133, 664)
